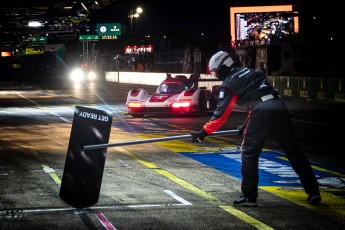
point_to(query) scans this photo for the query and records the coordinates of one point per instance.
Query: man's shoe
(245, 202)
(314, 199)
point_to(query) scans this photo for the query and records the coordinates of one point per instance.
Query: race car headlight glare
(91, 75)
(77, 75)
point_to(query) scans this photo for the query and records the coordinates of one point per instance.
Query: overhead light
(35, 24)
(84, 7)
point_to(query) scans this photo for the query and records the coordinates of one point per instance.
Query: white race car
(178, 95)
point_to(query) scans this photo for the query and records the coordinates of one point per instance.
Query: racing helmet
(220, 64)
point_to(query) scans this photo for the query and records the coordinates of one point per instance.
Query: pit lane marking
(44, 108)
(104, 221)
(18, 213)
(197, 191)
(101, 217)
(46, 168)
(178, 198)
(318, 168)
(331, 205)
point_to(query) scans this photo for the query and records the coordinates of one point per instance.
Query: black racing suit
(267, 114)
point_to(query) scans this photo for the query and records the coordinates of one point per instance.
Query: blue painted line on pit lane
(273, 171)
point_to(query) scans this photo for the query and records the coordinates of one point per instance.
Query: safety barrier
(292, 87)
(309, 88)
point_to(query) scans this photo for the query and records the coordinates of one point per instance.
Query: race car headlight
(77, 75)
(134, 105)
(91, 76)
(180, 105)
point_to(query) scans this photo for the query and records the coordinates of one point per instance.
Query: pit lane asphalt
(146, 187)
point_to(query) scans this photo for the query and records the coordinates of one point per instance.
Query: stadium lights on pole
(132, 15)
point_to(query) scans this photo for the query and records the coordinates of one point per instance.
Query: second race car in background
(83, 73)
(178, 95)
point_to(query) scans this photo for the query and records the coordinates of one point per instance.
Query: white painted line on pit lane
(199, 192)
(93, 208)
(178, 198)
(61, 118)
(101, 217)
(318, 168)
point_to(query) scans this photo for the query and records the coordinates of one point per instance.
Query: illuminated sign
(138, 49)
(34, 50)
(108, 37)
(109, 29)
(53, 47)
(39, 39)
(88, 37)
(5, 54)
(63, 36)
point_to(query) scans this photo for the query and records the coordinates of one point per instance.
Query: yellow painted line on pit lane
(319, 169)
(213, 144)
(46, 168)
(184, 146)
(100, 216)
(52, 174)
(246, 218)
(230, 209)
(331, 205)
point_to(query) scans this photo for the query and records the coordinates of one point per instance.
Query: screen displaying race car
(178, 95)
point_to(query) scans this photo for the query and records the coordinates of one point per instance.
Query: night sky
(161, 17)
(192, 18)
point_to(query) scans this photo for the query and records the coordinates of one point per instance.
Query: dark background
(179, 24)
(192, 18)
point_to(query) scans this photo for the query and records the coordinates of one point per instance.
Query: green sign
(39, 39)
(109, 29)
(88, 37)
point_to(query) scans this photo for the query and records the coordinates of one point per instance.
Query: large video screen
(263, 22)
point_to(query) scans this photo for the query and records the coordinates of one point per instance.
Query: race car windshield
(174, 88)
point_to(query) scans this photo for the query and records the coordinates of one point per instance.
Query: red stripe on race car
(160, 97)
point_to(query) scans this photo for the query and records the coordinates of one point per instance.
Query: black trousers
(272, 117)
(17, 77)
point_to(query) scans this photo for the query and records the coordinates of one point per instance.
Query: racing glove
(199, 136)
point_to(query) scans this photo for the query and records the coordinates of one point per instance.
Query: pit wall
(296, 87)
